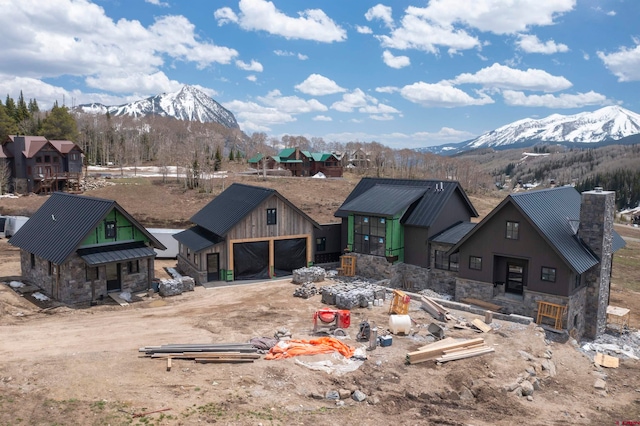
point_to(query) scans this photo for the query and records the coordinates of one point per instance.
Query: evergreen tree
(231, 155)
(218, 160)
(10, 106)
(60, 124)
(22, 111)
(7, 124)
(33, 106)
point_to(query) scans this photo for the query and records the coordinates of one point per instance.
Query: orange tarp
(321, 345)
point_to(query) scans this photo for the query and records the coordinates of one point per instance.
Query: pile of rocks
(531, 379)
(94, 183)
(176, 286)
(313, 274)
(353, 294)
(306, 291)
(341, 395)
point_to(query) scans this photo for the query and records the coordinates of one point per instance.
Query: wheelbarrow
(436, 331)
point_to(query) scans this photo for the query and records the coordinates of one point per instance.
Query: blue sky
(403, 73)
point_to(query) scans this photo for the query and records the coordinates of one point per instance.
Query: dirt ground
(66, 366)
(62, 365)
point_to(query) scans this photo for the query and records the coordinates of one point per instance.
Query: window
(441, 261)
(133, 266)
(47, 158)
(369, 235)
(271, 217)
(91, 273)
(56, 159)
(321, 244)
(38, 159)
(453, 262)
(50, 268)
(73, 156)
(110, 229)
(33, 261)
(548, 274)
(475, 262)
(576, 283)
(512, 230)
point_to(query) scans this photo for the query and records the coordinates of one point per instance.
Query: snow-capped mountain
(606, 124)
(188, 103)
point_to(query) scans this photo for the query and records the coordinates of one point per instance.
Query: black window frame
(370, 235)
(548, 274)
(475, 263)
(454, 262)
(272, 216)
(577, 280)
(47, 159)
(512, 230)
(321, 243)
(133, 266)
(33, 261)
(91, 273)
(110, 229)
(39, 159)
(441, 260)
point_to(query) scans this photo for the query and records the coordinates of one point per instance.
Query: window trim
(512, 230)
(272, 216)
(475, 261)
(133, 266)
(321, 244)
(440, 260)
(548, 274)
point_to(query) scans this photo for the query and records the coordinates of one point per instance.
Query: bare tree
(5, 176)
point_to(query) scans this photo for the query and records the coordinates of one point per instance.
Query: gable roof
(387, 200)
(234, 204)
(60, 225)
(428, 207)
(197, 238)
(453, 234)
(551, 212)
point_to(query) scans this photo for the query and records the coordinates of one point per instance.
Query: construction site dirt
(81, 365)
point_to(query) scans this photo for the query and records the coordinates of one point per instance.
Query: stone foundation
(188, 268)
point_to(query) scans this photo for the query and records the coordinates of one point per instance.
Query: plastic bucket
(399, 324)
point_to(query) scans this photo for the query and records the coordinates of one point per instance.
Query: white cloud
(354, 99)
(253, 66)
(405, 140)
(76, 38)
(291, 104)
(157, 3)
(624, 64)
(563, 100)
(381, 12)
(387, 89)
(252, 78)
(318, 85)
(441, 95)
(496, 16)
(262, 15)
(611, 13)
(322, 118)
(253, 117)
(396, 62)
(155, 83)
(287, 53)
(503, 77)
(382, 117)
(531, 44)
(363, 29)
(302, 57)
(225, 15)
(378, 109)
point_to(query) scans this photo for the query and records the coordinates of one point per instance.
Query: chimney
(596, 231)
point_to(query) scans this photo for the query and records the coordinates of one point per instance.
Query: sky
(406, 74)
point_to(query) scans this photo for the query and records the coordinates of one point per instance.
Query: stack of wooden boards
(449, 349)
(203, 353)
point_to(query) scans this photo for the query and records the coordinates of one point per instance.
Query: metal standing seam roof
(118, 253)
(231, 206)
(454, 233)
(60, 225)
(197, 238)
(426, 210)
(387, 200)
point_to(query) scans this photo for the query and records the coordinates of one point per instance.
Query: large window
(548, 274)
(475, 262)
(453, 262)
(91, 273)
(441, 260)
(369, 235)
(512, 230)
(110, 229)
(272, 217)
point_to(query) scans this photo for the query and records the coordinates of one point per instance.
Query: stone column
(596, 231)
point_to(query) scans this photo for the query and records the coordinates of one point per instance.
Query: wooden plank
(119, 300)
(482, 304)
(169, 364)
(444, 342)
(606, 360)
(463, 355)
(481, 326)
(430, 353)
(450, 343)
(464, 348)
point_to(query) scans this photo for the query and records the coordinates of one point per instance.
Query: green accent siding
(395, 238)
(350, 231)
(125, 231)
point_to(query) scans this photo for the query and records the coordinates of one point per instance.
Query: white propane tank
(399, 324)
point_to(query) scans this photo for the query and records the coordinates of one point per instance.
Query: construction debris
(203, 353)
(483, 304)
(449, 349)
(606, 360)
(306, 290)
(436, 310)
(313, 274)
(481, 326)
(352, 295)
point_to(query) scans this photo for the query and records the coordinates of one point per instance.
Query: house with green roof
(301, 162)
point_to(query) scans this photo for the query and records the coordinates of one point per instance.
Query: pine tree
(22, 111)
(218, 160)
(7, 124)
(10, 106)
(33, 106)
(60, 124)
(231, 155)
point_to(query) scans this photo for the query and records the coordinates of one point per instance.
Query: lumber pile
(482, 303)
(203, 353)
(449, 349)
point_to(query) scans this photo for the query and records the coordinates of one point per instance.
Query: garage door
(289, 255)
(251, 261)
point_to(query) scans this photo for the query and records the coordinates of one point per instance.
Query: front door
(213, 267)
(113, 277)
(515, 278)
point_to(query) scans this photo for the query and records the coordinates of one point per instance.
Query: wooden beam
(481, 326)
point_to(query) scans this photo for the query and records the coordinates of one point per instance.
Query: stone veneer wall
(576, 310)
(596, 230)
(74, 287)
(473, 289)
(189, 269)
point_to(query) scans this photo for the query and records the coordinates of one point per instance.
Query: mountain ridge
(188, 103)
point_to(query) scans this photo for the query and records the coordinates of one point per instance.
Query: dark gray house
(78, 249)
(246, 232)
(554, 246)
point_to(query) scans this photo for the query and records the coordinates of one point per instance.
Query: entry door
(213, 267)
(515, 278)
(114, 282)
